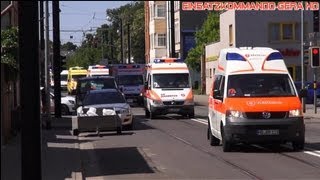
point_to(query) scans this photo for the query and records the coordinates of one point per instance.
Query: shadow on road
(115, 161)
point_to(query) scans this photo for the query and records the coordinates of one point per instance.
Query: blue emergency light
(275, 56)
(234, 57)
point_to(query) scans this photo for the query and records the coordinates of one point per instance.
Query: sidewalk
(60, 155)
(202, 100)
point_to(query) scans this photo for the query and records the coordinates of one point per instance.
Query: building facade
(280, 30)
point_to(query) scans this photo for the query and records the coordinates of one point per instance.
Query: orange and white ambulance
(98, 70)
(168, 88)
(253, 100)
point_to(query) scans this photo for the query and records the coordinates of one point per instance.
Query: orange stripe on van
(256, 104)
(189, 95)
(150, 94)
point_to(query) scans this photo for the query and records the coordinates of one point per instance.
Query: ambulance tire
(226, 144)
(191, 115)
(147, 113)
(213, 140)
(298, 145)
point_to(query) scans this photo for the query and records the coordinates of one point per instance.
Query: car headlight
(189, 102)
(233, 113)
(71, 101)
(295, 113)
(157, 102)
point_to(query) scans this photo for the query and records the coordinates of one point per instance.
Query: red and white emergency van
(130, 80)
(98, 70)
(253, 100)
(168, 88)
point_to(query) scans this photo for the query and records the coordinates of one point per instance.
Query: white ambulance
(253, 100)
(130, 80)
(168, 88)
(98, 70)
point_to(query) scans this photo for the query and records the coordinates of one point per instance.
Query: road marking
(312, 153)
(203, 121)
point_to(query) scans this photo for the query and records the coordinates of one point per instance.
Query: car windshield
(76, 77)
(260, 85)
(97, 84)
(63, 77)
(180, 80)
(103, 98)
(130, 80)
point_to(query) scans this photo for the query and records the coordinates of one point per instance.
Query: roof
(251, 60)
(95, 77)
(103, 91)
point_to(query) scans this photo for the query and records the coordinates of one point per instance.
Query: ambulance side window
(222, 86)
(216, 87)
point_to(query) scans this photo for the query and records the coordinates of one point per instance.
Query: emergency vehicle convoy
(98, 70)
(253, 100)
(168, 88)
(130, 80)
(73, 75)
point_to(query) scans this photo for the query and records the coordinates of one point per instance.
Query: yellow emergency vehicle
(73, 75)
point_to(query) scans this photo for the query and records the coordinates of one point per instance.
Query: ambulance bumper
(162, 110)
(264, 130)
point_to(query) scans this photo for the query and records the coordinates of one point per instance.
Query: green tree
(209, 32)
(9, 51)
(69, 46)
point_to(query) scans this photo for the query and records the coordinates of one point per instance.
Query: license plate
(173, 110)
(271, 132)
(129, 100)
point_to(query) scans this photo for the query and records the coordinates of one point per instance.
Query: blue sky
(82, 15)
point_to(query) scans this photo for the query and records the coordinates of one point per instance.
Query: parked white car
(64, 79)
(108, 98)
(67, 104)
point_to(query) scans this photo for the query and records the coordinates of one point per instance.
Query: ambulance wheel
(75, 132)
(226, 144)
(191, 115)
(147, 113)
(213, 140)
(298, 145)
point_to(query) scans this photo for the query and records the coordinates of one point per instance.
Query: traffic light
(315, 57)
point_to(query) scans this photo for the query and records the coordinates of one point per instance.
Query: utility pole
(41, 54)
(302, 64)
(129, 46)
(121, 39)
(203, 71)
(29, 89)
(56, 58)
(46, 72)
(173, 43)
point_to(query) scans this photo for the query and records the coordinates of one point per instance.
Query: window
(151, 41)
(176, 32)
(176, 5)
(282, 32)
(161, 10)
(230, 35)
(161, 40)
(210, 73)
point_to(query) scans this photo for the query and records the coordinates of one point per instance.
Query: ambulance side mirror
(146, 86)
(217, 94)
(303, 93)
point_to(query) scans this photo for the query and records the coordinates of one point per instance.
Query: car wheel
(75, 132)
(226, 144)
(64, 110)
(151, 115)
(119, 130)
(213, 140)
(298, 145)
(191, 115)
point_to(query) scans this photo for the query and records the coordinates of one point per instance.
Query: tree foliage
(209, 32)
(69, 46)
(9, 47)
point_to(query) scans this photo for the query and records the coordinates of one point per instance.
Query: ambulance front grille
(273, 115)
(173, 103)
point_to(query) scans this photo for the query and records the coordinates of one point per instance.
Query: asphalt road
(171, 147)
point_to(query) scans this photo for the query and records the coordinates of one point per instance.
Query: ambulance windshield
(130, 80)
(180, 80)
(260, 85)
